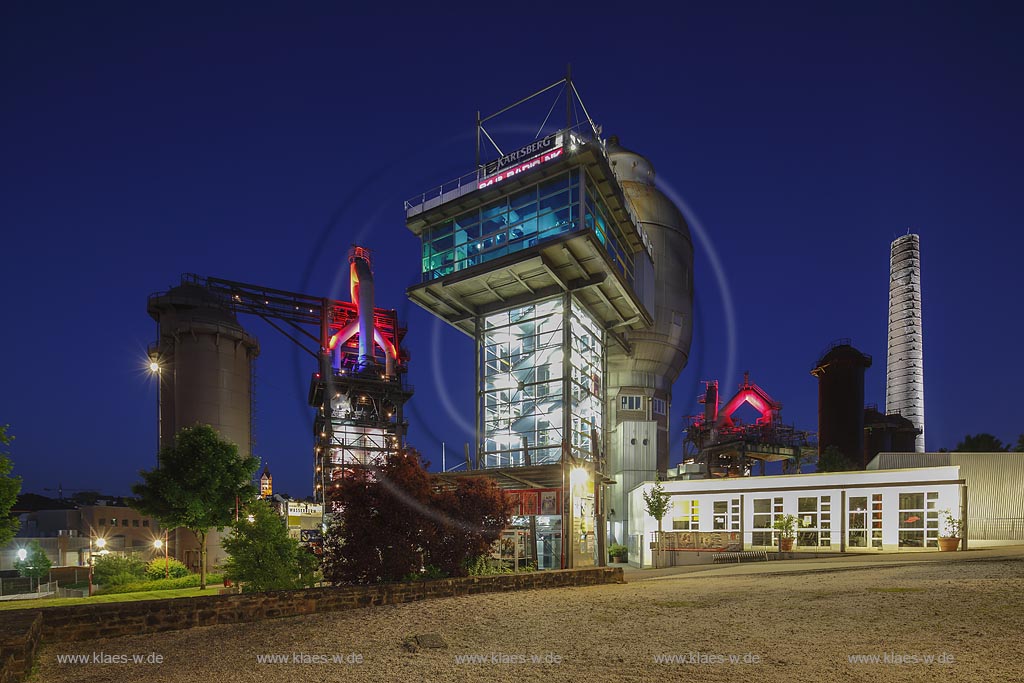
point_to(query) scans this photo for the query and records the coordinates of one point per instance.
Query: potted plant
(617, 552)
(786, 525)
(949, 540)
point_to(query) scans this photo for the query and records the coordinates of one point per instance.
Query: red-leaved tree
(397, 518)
(472, 516)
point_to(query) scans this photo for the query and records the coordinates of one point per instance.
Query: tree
(36, 564)
(473, 515)
(9, 488)
(833, 460)
(381, 532)
(397, 519)
(656, 502)
(981, 443)
(198, 484)
(1019, 448)
(263, 556)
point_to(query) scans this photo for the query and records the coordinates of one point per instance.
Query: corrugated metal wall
(995, 488)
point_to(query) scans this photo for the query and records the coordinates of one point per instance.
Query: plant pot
(786, 544)
(948, 545)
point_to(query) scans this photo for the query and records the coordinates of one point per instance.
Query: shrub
(115, 570)
(262, 556)
(617, 549)
(190, 581)
(484, 565)
(156, 569)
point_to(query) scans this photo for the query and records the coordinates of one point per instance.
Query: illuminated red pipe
(361, 290)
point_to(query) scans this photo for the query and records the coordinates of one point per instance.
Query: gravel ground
(799, 627)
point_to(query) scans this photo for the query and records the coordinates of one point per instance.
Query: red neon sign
(519, 168)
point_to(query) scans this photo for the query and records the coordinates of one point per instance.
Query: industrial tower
(546, 259)
(904, 387)
(205, 360)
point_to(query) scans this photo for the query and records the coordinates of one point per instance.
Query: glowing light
(158, 543)
(578, 476)
(519, 168)
(154, 366)
(250, 518)
(101, 542)
(22, 554)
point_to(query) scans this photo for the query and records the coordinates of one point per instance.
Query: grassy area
(113, 597)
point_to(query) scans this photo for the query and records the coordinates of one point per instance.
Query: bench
(745, 556)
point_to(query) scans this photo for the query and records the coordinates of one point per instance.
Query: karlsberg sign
(523, 159)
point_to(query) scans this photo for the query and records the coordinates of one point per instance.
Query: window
(876, 520)
(632, 403)
(721, 514)
(103, 521)
(857, 519)
(919, 520)
(135, 522)
(145, 522)
(685, 515)
(508, 225)
(765, 512)
(113, 521)
(659, 406)
(815, 521)
(860, 534)
(726, 515)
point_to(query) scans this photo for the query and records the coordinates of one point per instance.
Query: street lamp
(158, 543)
(22, 554)
(155, 370)
(100, 543)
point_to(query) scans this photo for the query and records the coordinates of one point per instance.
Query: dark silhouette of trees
(833, 460)
(981, 443)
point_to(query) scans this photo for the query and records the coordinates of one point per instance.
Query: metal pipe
(362, 297)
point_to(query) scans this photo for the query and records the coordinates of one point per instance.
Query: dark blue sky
(139, 143)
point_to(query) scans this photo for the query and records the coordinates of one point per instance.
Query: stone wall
(19, 640)
(107, 620)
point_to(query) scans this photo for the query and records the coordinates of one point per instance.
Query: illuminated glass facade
(530, 396)
(521, 220)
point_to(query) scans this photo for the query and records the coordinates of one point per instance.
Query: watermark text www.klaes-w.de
(310, 658)
(902, 658)
(716, 658)
(100, 657)
(509, 658)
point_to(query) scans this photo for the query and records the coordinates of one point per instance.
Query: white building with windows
(864, 511)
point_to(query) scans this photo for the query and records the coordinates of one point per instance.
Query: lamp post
(154, 368)
(22, 554)
(100, 543)
(158, 543)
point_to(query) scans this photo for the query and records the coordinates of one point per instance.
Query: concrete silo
(206, 364)
(205, 361)
(640, 380)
